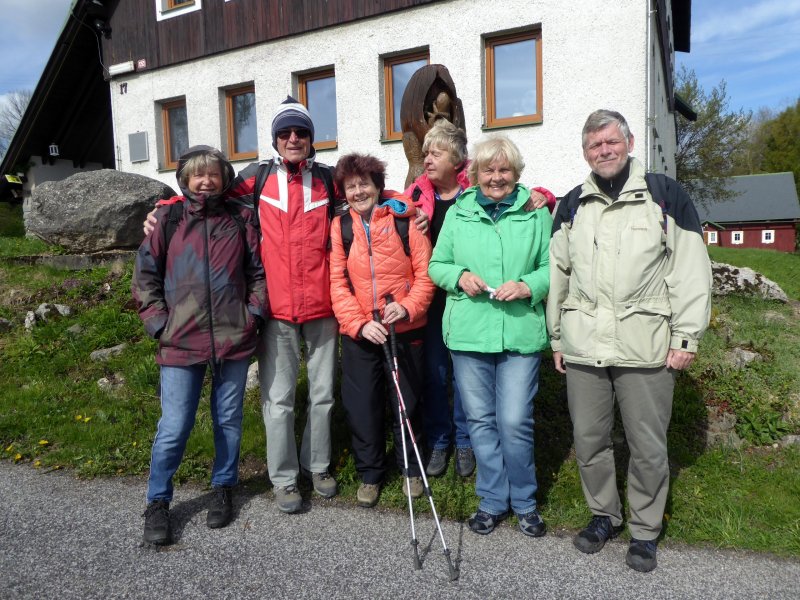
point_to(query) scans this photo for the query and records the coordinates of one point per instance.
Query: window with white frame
(768, 236)
(712, 237)
(167, 9)
(737, 237)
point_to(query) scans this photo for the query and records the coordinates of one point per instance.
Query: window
(737, 237)
(240, 116)
(768, 236)
(712, 237)
(514, 79)
(317, 92)
(397, 70)
(167, 9)
(175, 130)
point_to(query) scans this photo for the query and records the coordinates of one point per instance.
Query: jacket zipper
(371, 262)
(208, 290)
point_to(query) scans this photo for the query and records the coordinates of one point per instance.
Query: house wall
(594, 55)
(784, 236)
(41, 171)
(659, 138)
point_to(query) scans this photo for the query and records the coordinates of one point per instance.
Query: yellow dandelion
(37, 463)
(135, 444)
(78, 417)
(87, 419)
(18, 456)
(88, 462)
(44, 443)
(667, 516)
(9, 448)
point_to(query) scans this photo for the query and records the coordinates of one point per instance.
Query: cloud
(743, 20)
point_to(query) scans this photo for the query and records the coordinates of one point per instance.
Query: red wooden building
(763, 213)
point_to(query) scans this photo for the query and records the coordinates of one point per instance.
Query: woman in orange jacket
(371, 261)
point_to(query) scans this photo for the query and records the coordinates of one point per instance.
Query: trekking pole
(392, 368)
(405, 423)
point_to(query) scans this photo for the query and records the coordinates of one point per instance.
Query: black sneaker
(465, 462)
(221, 509)
(595, 535)
(156, 523)
(641, 555)
(531, 524)
(437, 464)
(483, 523)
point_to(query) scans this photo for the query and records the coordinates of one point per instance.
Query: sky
(754, 45)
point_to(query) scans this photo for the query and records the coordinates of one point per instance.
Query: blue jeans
(497, 391)
(435, 398)
(180, 395)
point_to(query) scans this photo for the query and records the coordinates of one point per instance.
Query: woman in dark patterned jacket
(199, 285)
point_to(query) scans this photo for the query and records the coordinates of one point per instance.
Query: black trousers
(366, 385)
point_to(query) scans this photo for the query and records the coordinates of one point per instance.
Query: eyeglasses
(300, 132)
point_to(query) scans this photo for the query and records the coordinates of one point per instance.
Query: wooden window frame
(388, 96)
(302, 92)
(172, 5)
(169, 163)
(491, 106)
(231, 129)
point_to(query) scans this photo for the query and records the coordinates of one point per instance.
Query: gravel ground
(61, 537)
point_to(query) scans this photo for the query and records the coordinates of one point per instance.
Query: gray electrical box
(137, 147)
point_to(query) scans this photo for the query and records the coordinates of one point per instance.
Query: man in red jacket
(294, 217)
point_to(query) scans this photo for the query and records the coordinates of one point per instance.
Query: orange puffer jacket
(380, 269)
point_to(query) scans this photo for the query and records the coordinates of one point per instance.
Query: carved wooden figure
(430, 95)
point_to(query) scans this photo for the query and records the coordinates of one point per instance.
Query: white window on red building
(768, 236)
(737, 237)
(712, 237)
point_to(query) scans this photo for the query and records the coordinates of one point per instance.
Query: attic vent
(137, 147)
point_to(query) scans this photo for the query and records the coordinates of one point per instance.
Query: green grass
(781, 267)
(55, 416)
(11, 220)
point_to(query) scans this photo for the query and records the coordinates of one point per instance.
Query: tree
(782, 143)
(708, 147)
(11, 113)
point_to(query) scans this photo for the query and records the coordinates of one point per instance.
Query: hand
(394, 312)
(512, 290)
(149, 222)
(558, 361)
(422, 221)
(471, 284)
(537, 200)
(374, 332)
(679, 359)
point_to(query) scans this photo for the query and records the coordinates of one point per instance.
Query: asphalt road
(65, 538)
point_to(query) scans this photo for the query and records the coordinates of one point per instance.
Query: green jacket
(630, 278)
(515, 248)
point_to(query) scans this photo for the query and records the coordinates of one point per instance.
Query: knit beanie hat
(291, 113)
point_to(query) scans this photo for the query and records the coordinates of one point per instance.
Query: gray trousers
(644, 397)
(278, 366)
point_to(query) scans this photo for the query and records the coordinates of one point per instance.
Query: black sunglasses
(300, 132)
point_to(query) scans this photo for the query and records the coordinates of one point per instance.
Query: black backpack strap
(261, 179)
(324, 173)
(401, 225)
(416, 194)
(657, 186)
(347, 232)
(174, 217)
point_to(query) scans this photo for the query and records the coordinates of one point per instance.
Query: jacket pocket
(643, 332)
(578, 327)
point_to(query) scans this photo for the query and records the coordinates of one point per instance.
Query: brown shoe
(367, 494)
(416, 486)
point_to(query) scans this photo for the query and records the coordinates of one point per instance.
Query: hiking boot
(415, 483)
(465, 461)
(641, 555)
(367, 494)
(437, 463)
(484, 523)
(531, 524)
(324, 483)
(289, 499)
(221, 509)
(595, 535)
(156, 523)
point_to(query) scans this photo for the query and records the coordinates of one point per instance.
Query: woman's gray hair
(491, 148)
(447, 136)
(603, 118)
(199, 163)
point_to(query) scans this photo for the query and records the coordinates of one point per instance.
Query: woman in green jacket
(491, 258)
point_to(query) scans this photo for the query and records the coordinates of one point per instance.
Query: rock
(42, 312)
(93, 210)
(109, 384)
(790, 440)
(75, 329)
(5, 324)
(252, 377)
(771, 316)
(63, 309)
(741, 280)
(739, 358)
(30, 320)
(721, 429)
(106, 353)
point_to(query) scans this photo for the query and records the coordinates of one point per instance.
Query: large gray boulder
(741, 280)
(93, 211)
